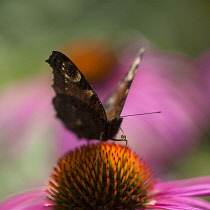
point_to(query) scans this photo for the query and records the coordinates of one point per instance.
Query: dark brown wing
(116, 100)
(79, 117)
(76, 103)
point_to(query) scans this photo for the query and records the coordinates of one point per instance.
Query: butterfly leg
(123, 138)
(99, 146)
(88, 144)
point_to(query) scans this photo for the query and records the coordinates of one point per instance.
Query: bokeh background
(30, 30)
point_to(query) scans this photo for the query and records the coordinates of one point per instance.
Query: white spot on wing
(75, 78)
(89, 93)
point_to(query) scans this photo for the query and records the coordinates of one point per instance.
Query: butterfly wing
(116, 100)
(76, 103)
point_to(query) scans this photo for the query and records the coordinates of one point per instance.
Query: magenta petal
(29, 200)
(182, 194)
(198, 190)
(67, 140)
(196, 202)
(174, 206)
(22, 115)
(37, 206)
(183, 183)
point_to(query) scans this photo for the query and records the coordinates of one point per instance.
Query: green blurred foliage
(31, 29)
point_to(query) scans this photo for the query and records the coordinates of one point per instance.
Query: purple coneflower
(111, 178)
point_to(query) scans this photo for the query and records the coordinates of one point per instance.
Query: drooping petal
(26, 201)
(197, 190)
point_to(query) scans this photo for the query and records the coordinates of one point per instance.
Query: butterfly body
(77, 104)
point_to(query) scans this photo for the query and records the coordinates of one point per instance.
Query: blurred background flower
(175, 83)
(202, 74)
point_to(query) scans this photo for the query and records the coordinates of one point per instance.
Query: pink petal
(29, 200)
(183, 183)
(174, 206)
(197, 190)
(193, 202)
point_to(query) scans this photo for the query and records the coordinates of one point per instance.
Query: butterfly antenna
(88, 144)
(142, 114)
(122, 131)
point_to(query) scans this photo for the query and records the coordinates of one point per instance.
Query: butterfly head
(113, 127)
